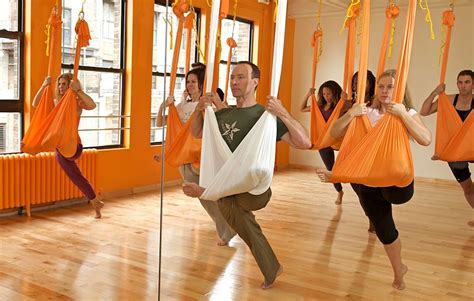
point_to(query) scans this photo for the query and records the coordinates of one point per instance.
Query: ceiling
(308, 8)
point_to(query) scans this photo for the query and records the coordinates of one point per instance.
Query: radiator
(27, 180)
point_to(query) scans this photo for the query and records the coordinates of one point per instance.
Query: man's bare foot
(435, 157)
(324, 174)
(192, 190)
(266, 286)
(371, 227)
(471, 223)
(398, 282)
(221, 242)
(97, 205)
(339, 198)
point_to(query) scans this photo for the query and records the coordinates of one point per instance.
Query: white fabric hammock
(250, 167)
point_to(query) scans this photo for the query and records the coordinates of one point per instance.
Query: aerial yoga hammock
(59, 130)
(232, 45)
(454, 138)
(379, 156)
(320, 129)
(32, 141)
(180, 146)
(258, 147)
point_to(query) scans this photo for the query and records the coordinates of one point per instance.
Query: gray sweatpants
(237, 210)
(224, 231)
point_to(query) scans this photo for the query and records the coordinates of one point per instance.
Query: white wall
(422, 79)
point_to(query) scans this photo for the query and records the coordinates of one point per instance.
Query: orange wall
(133, 165)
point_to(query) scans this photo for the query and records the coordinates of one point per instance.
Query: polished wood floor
(326, 251)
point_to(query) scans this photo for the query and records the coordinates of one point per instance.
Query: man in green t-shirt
(234, 124)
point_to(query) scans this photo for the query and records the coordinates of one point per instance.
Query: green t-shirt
(234, 123)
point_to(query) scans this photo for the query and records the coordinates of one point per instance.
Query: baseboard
(437, 181)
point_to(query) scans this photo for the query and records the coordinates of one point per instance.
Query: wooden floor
(326, 251)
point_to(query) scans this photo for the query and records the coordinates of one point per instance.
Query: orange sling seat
(382, 157)
(180, 147)
(60, 128)
(320, 129)
(31, 142)
(454, 138)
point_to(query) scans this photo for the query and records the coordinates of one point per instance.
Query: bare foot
(435, 157)
(266, 286)
(97, 205)
(221, 242)
(193, 190)
(398, 282)
(339, 198)
(471, 223)
(324, 174)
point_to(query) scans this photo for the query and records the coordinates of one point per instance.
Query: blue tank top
(461, 113)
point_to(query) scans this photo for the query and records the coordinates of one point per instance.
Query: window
(11, 74)
(159, 70)
(67, 20)
(101, 69)
(243, 34)
(108, 24)
(2, 136)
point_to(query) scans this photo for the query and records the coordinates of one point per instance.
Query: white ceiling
(308, 8)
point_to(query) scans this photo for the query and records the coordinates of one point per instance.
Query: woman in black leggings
(377, 201)
(329, 94)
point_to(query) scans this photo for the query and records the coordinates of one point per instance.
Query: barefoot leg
(97, 205)
(324, 174)
(269, 285)
(339, 198)
(394, 253)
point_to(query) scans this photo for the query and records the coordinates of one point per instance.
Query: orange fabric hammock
(453, 136)
(188, 24)
(62, 133)
(232, 44)
(34, 135)
(179, 9)
(320, 129)
(180, 146)
(382, 157)
(391, 12)
(59, 129)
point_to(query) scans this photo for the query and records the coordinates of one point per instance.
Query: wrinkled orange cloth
(31, 142)
(180, 147)
(59, 130)
(454, 138)
(382, 157)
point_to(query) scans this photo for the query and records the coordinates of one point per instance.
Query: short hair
(336, 91)
(255, 70)
(466, 72)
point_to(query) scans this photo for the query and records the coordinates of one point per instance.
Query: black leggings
(377, 204)
(460, 170)
(327, 155)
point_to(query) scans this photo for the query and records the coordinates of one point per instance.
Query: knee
(386, 235)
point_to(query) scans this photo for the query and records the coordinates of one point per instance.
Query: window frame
(121, 70)
(249, 22)
(158, 74)
(16, 105)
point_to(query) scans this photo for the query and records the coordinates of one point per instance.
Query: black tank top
(463, 114)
